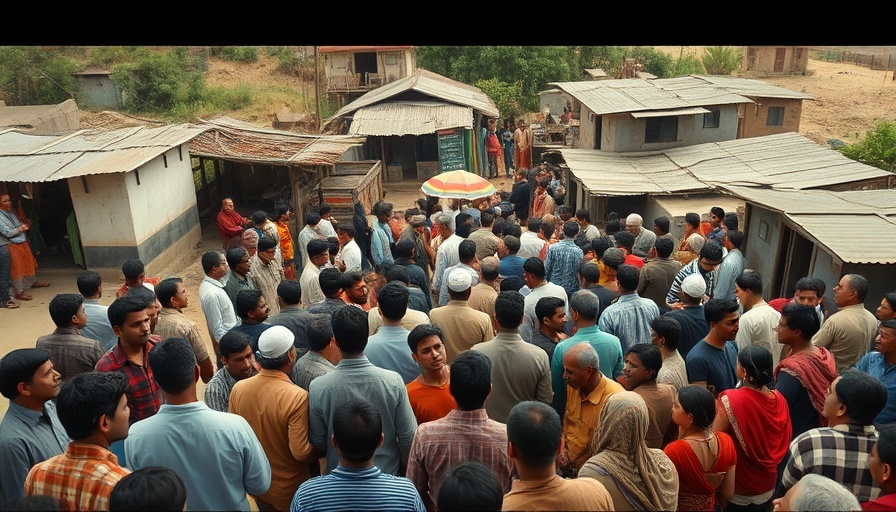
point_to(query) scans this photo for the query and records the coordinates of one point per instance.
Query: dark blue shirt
(712, 365)
(511, 266)
(694, 327)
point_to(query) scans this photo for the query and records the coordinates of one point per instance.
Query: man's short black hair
(235, 255)
(664, 247)
(122, 307)
(509, 309)
(421, 332)
(315, 247)
(331, 281)
(89, 282)
(148, 488)
(64, 306)
(348, 229)
(246, 301)
(667, 328)
(718, 211)
(466, 251)
(863, 395)
(729, 220)
(511, 284)
(534, 429)
(289, 291)
(404, 248)
(802, 318)
(534, 266)
(735, 237)
(512, 243)
(350, 328)
(132, 269)
(470, 485)
(628, 277)
(534, 224)
(357, 428)
(20, 365)
(172, 362)
(625, 240)
(84, 398)
(600, 244)
(749, 280)
(590, 272)
(319, 328)
(809, 284)
(233, 342)
(711, 251)
(692, 219)
(312, 218)
(471, 379)
(546, 307)
(166, 289)
(662, 222)
(392, 299)
(583, 214)
(716, 309)
(397, 273)
(210, 260)
(570, 229)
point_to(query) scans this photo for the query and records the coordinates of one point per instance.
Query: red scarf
(815, 371)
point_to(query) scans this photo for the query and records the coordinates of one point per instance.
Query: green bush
(239, 53)
(721, 60)
(507, 97)
(229, 98)
(877, 148)
(32, 76)
(155, 82)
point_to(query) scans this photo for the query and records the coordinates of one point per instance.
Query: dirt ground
(849, 99)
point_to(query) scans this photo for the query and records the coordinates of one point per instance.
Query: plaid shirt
(81, 478)
(840, 453)
(144, 397)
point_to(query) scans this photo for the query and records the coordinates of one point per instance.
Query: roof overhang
(692, 111)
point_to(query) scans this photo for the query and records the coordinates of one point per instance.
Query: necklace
(442, 380)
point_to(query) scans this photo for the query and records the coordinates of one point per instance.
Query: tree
(877, 148)
(721, 60)
(155, 82)
(31, 76)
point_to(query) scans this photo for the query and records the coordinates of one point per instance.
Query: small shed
(97, 91)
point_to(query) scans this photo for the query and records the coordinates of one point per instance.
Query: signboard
(451, 150)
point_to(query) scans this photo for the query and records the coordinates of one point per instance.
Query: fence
(879, 61)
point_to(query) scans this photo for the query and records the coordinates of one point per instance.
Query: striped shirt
(840, 453)
(357, 489)
(81, 478)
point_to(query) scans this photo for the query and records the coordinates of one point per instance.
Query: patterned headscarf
(645, 474)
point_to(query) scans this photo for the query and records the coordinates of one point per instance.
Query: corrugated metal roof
(782, 161)
(235, 140)
(875, 242)
(692, 111)
(409, 118)
(36, 158)
(339, 49)
(812, 202)
(634, 95)
(751, 87)
(431, 85)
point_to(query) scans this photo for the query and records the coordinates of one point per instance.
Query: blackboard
(451, 150)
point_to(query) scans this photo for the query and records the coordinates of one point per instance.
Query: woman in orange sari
(23, 264)
(704, 459)
(758, 419)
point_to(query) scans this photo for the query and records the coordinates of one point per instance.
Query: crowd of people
(503, 353)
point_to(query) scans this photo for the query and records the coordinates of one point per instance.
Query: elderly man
(644, 238)
(587, 390)
(231, 224)
(848, 332)
(520, 371)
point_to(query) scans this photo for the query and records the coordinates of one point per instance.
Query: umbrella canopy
(458, 185)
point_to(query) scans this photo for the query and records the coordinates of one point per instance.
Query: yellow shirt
(582, 416)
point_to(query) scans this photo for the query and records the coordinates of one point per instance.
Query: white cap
(275, 341)
(694, 286)
(459, 280)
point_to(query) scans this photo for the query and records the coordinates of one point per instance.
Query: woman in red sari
(758, 419)
(704, 459)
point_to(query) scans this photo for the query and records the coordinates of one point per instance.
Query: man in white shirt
(216, 306)
(758, 321)
(530, 243)
(349, 257)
